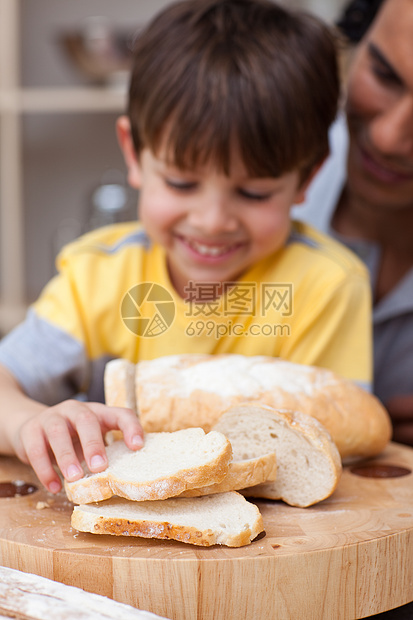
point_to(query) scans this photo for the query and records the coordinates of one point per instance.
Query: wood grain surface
(348, 557)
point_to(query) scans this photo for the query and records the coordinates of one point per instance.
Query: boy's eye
(180, 184)
(251, 195)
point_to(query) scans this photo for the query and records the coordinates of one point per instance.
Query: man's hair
(211, 75)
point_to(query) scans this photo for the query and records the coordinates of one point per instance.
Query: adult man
(365, 198)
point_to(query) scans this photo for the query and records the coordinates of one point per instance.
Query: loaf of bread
(167, 465)
(308, 463)
(180, 391)
(222, 519)
(119, 384)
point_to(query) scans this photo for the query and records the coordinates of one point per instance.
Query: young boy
(230, 104)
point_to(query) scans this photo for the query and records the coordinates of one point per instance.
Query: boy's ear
(124, 134)
(302, 190)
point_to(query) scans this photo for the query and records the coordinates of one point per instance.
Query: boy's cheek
(157, 211)
(155, 221)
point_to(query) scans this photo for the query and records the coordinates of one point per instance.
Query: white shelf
(59, 100)
(16, 101)
(11, 224)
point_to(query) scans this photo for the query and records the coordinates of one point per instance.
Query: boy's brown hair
(213, 74)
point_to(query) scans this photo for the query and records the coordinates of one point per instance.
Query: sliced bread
(223, 519)
(308, 462)
(167, 465)
(241, 474)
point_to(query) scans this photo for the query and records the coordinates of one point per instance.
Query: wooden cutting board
(349, 557)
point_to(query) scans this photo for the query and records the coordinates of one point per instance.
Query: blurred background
(63, 80)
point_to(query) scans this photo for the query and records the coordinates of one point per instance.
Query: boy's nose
(391, 131)
(214, 216)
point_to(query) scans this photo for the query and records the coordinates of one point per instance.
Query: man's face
(380, 111)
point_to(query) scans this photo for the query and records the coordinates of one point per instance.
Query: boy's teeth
(208, 250)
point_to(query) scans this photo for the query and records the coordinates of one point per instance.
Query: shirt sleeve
(49, 364)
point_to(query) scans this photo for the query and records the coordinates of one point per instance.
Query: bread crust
(163, 528)
(356, 420)
(119, 384)
(241, 474)
(119, 387)
(102, 486)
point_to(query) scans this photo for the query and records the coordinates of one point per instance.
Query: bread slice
(241, 474)
(168, 464)
(308, 462)
(222, 519)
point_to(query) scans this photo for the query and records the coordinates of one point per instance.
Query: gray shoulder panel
(49, 364)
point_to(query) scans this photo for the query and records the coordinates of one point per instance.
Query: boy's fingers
(61, 444)
(88, 429)
(35, 450)
(134, 440)
(69, 426)
(124, 420)
(132, 430)
(89, 432)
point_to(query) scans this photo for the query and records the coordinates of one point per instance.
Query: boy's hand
(69, 432)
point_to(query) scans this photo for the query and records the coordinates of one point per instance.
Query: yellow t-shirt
(308, 303)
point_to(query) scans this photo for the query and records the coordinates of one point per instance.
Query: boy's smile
(213, 226)
(207, 251)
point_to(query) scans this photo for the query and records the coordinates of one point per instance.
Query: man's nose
(391, 131)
